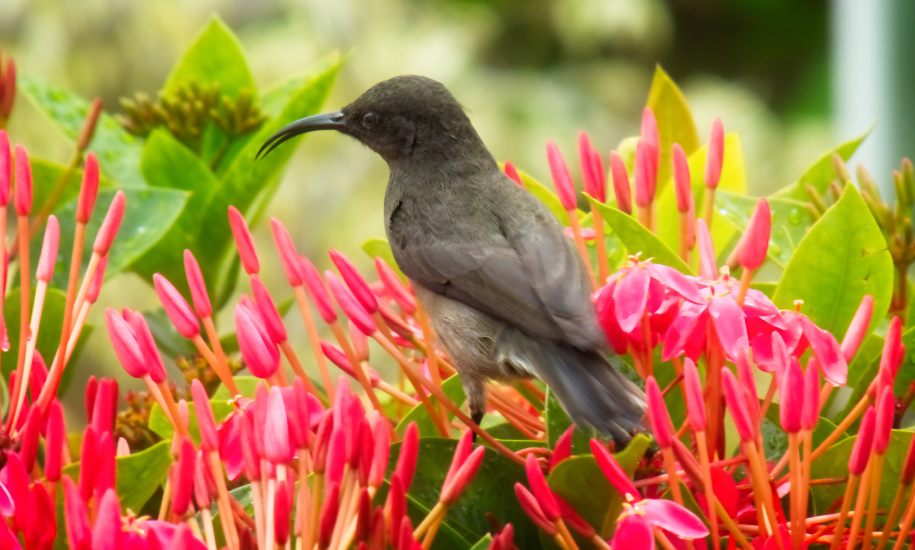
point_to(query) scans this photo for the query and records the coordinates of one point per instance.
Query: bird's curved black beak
(325, 121)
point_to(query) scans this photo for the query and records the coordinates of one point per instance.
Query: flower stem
(709, 207)
(893, 516)
(603, 264)
(794, 461)
(702, 444)
(860, 504)
(305, 311)
(876, 474)
(361, 376)
(219, 367)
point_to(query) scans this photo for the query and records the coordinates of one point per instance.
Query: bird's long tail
(590, 390)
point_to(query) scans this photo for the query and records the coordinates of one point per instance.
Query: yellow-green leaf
(675, 122)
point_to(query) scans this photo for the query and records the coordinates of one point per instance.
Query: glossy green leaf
(453, 389)
(46, 174)
(249, 183)
(863, 368)
(48, 332)
(149, 213)
(733, 180)
(833, 464)
(557, 422)
(790, 222)
(118, 152)
(842, 258)
(483, 543)
(637, 238)
(138, 474)
(675, 121)
(168, 164)
(490, 497)
(160, 425)
(215, 56)
(600, 504)
(821, 172)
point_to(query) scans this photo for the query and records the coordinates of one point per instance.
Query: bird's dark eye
(370, 120)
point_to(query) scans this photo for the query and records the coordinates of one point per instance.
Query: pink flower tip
(791, 389)
(49, 245)
(244, 242)
(531, 507)
(755, 244)
(658, 416)
(110, 225)
(354, 281)
(613, 471)
(88, 191)
(182, 477)
(276, 429)
(736, 402)
(864, 442)
(594, 179)
(199, 295)
(883, 424)
(317, 290)
(563, 448)
(6, 168)
(455, 486)
(258, 350)
(409, 452)
(513, 174)
(646, 173)
(621, 189)
(893, 349)
(125, 344)
(206, 422)
(858, 328)
(95, 285)
(715, 159)
(353, 310)
(395, 287)
(23, 188)
(562, 179)
(176, 307)
(289, 256)
(682, 183)
(55, 440)
(269, 313)
(541, 489)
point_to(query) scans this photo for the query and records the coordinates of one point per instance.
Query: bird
(506, 291)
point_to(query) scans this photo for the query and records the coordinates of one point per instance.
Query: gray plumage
(507, 293)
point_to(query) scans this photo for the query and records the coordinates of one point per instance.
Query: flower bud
(206, 423)
(562, 179)
(182, 477)
(276, 430)
(125, 344)
(452, 489)
(613, 471)
(863, 445)
(592, 169)
(350, 306)
(355, 282)
(288, 254)
(661, 426)
(176, 307)
(621, 189)
(791, 388)
(55, 440)
(541, 489)
(395, 287)
(531, 507)
(563, 447)
(95, 285)
(883, 423)
(682, 184)
(695, 402)
(88, 191)
(734, 398)
(858, 328)
(513, 174)
(49, 245)
(23, 187)
(317, 290)
(243, 241)
(199, 295)
(110, 225)
(755, 244)
(406, 459)
(270, 315)
(258, 350)
(715, 159)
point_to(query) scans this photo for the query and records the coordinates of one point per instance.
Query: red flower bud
(452, 488)
(288, 254)
(182, 477)
(54, 442)
(563, 448)
(243, 241)
(395, 287)
(206, 423)
(95, 285)
(6, 168)
(276, 429)
(88, 191)
(268, 311)
(734, 398)
(125, 344)
(317, 290)
(883, 424)
(592, 169)
(541, 489)
(613, 471)
(858, 328)
(513, 174)
(621, 189)
(282, 509)
(328, 515)
(682, 184)
(258, 350)
(350, 306)
(380, 453)
(23, 187)
(406, 459)
(755, 243)
(176, 307)
(715, 158)
(645, 174)
(661, 426)
(250, 458)
(695, 402)
(863, 445)
(110, 225)
(532, 508)
(893, 349)
(199, 295)
(49, 245)
(562, 179)
(354, 281)
(791, 388)
(79, 533)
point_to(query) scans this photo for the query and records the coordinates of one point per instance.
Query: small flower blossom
(635, 528)
(88, 191)
(244, 242)
(621, 189)
(715, 159)
(562, 179)
(110, 224)
(176, 307)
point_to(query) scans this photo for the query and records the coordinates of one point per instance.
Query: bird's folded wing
(530, 279)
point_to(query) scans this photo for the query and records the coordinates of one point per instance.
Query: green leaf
(637, 238)
(160, 425)
(675, 122)
(168, 164)
(821, 172)
(483, 543)
(379, 248)
(138, 474)
(52, 319)
(488, 499)
(834, 464)
(733, 180)
(842, 258)
(790, 221)
(557, 422)
(247, 182)
(149, 213)
(118, 152)
(215, 56)
(452, 388)
(863, 368)
(46, 174)
(600, 504)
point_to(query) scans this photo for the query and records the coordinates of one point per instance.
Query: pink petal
(676, 281)
(7, 507)
(621, 189)
(613, 471)
(631, 298)
(673, 517)
(633, 531)
(730, 325)
(686, 326)
(708, 268)
(827, 352)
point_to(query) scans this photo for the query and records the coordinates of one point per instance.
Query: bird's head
(398, 118)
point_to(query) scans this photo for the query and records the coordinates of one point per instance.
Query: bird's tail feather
(589, 389)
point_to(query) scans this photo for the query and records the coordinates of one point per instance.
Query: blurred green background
(526, 70)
